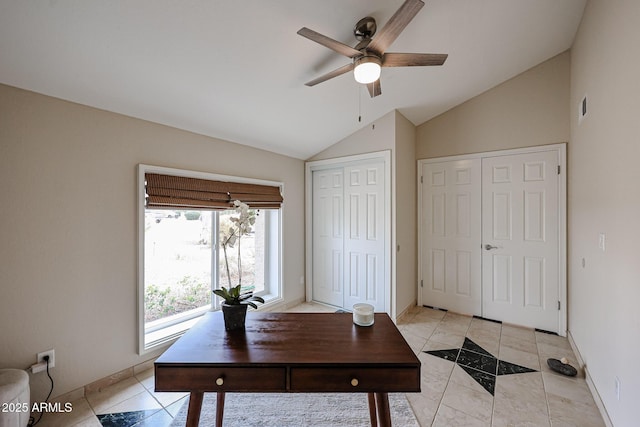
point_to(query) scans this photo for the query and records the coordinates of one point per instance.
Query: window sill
(167, 335)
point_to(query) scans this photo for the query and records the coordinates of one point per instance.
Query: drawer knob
(354, 382)
(220, 381)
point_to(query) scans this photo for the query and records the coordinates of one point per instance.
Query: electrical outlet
(601, 241)
(617, 382)
(52, 357)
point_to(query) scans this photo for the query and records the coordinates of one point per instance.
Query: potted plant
(234, 306)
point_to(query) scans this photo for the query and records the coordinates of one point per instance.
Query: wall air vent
(582, 109)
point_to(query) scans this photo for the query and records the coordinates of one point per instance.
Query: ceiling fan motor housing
(365, 28)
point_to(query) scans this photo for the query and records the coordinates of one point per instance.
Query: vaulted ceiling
(236, 70)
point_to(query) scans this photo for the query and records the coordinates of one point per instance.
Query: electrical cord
(32, 420)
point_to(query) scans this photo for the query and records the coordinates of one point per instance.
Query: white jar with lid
(363, 314)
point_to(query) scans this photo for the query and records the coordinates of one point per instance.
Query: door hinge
(421, 179)
(558, 305)
(558, 169)
(421, 284)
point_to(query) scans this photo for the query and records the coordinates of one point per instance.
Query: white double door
(348, 227)
(490, 237)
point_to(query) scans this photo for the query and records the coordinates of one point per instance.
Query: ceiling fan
(369, 55)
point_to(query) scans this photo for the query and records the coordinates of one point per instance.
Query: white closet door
(328, 236)
(451, 235)
(520, 255)
(364, 237)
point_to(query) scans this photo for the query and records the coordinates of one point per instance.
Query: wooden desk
(290, 352)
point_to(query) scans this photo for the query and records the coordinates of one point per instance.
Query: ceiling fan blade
(374, 88)
(395, 25)
(335, 73)
(332, 44)
(413, 59)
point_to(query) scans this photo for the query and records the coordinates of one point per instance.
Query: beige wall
(68, 254)
(528, 110)
(604, 197)
(376, 136)
(406, 214)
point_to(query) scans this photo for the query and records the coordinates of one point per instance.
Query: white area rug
(297, 410)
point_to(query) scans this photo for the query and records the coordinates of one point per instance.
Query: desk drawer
(177, 378)
(355, 379)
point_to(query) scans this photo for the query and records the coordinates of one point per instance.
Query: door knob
(489, 247)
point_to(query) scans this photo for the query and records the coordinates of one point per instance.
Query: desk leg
(382, 405)
(195, 406)
(373, 413)
(219, 408)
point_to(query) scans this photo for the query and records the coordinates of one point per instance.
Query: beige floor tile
(421, 329)
(114, 394)
(549, 351)
(423, 408)
(429, 313)
(478, 404)
(456, 323)
(449, 417)
(89, 422)
(80, 412)
(168, 398)
(485, 325)
(174, 408)
(526, 334)
(140, 402)
(459, 376)
(567, 387)
(434, 376)
(486, 331)
(520, 398)
(435, 364)
(445, 336)
(487, 340)
(147, 379)
(566, 412)
(518, 344)
(503, 419)
(554, 340)
(522, 358)
(416, 342)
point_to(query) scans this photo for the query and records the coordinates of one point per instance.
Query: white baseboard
(590, 383)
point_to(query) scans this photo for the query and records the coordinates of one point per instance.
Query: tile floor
(474, 373)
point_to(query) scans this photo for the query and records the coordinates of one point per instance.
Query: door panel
(328, 250)
(520, 258)
(451, 268)
(364, 241)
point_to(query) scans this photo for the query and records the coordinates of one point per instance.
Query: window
(182, 258)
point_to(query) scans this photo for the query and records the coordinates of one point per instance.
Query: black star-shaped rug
(481, 365)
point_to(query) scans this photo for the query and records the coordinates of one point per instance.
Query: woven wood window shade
(178, 192)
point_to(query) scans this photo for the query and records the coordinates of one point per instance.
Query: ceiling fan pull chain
(359, 89)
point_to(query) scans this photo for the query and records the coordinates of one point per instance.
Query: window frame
(175, 327)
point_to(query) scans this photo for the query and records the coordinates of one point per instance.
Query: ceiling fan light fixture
(367, 69)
